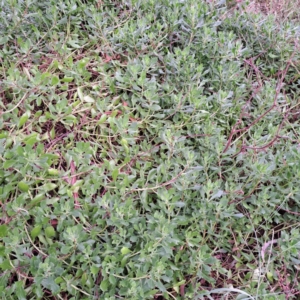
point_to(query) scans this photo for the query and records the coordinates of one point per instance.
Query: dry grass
(281, 9)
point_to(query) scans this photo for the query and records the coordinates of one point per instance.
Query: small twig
(289, 211)
(278, 89)
(10, 110)
(40, 251)
(98, 280)
(54, 142)
(72, 180)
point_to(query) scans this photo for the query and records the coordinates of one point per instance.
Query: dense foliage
(148, 150)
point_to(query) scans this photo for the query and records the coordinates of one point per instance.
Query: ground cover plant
(148, 150)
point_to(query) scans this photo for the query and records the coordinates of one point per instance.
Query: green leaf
(102, 119)
(52, 133)
(125, 250)
(50, 232)
(272, 55)
(5, 265)
(3, 40)
(84, 278)
(19, 289)
(119, 77)
(179, 283)
(45, 75)
(94, 270)
(124, 261)
(8, 142)
(23, 120)
(9, 163)
(49, 283)
(54, 80)
(36, 231)
(70, 119)
(3, 231)
(73, 44)
(112, 279)
(24, 187)
(43, 240)
(31, 140)
(80, 93)
(3, 134)
(104, 285)
(115, 174)
(179, 204)
(53, 172)
(88, 99)
(124, 143)
(270, 276)
(48, 187)
(154, 107)
(59, 280)
(38, 198)
(67, 79)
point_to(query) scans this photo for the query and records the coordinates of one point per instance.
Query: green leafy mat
(148, 150)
